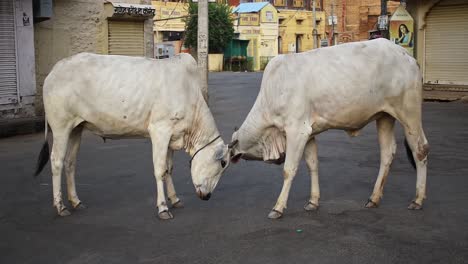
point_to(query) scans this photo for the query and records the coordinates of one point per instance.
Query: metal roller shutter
(447, 44)
(8, 70)
(126, 38)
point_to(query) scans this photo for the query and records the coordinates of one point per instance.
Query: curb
(21, 126)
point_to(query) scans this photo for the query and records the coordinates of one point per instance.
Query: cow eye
(223, 163)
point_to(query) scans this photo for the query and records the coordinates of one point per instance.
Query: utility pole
(202, 47)
(314, 30)
(383, 19)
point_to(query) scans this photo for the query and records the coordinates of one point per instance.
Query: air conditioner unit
(42, 10)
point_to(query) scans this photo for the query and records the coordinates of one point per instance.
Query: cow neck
(202, 130)
(251, 131)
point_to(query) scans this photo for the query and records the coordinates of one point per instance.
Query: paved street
(120, 225)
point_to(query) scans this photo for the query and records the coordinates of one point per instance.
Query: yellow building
(295, 30)
(169, 33)
(258, 23)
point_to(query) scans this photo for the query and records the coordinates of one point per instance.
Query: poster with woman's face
(402, 29)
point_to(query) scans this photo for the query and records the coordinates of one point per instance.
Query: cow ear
(221, 151)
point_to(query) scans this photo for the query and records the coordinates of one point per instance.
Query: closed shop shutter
(8, 71)
(126, 38)
(447, 44)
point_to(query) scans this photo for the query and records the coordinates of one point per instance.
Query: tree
(220, 27)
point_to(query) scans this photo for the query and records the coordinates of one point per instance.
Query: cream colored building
(441, 34)
(258, 23)
(98, 26)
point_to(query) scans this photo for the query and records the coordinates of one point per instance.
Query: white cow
(342, 87)
(122, 97)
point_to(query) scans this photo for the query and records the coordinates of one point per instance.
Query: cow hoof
(165, 215)
(178, 204)
(311, 207)
(414, 206)
(275, 214)
(371, 204)
(79, 206)
(64, 212)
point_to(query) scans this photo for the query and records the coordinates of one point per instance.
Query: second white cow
(341, 87)
(121, 97)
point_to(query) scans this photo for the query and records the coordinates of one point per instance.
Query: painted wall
(76, 26)
(355, 17)
(269, 34)
(166, 10)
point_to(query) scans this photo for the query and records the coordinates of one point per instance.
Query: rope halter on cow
(196, 152)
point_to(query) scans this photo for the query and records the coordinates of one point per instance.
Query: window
(298, 3)
(280, 2)
(269, 16)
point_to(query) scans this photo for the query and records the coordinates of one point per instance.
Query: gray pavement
(120, 226)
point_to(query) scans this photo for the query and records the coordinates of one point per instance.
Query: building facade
(296, 30)
(296, 22)
(258, 23)
(169, 32)
(17, 69)
(353, 18)
(441, 36)
(103, 27)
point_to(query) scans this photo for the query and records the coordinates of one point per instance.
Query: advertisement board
(402, 29)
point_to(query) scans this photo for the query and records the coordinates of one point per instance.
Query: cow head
(249, 148)
(207, 166)
(239, 149)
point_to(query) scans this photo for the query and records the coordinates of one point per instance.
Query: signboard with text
(249, 19)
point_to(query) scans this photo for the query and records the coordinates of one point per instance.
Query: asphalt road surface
(115, 181)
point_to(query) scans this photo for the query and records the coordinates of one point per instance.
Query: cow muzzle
(203, 196)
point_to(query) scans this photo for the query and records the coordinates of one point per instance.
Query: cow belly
(116, 130)
(350, 124)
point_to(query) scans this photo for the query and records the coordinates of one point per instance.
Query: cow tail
(44, 154)
(409, 154)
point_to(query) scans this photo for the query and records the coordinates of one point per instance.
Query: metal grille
(126, 38)
(8, 67)
(447, 45)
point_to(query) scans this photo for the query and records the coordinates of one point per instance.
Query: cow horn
(233, 144)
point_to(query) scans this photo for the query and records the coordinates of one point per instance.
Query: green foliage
(220, 27)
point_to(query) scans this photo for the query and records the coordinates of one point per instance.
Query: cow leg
(310, 155)
(70, 167)
(59, 150)
(420, 148)
(295, 144)
(387, 144)
(171, 193)
(160, 137)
